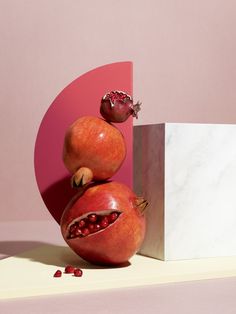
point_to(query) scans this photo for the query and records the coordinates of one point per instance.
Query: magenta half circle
(81, 97)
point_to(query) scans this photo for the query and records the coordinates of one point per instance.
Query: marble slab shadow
(187, 172)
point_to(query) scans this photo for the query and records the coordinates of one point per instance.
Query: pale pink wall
(184, 69)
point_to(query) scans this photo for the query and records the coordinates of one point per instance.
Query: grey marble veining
(188, 174)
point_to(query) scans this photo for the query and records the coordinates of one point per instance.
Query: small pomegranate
(117, 106)
(104, 223)
(93, 150)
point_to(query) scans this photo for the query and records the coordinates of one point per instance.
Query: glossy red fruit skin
(117, 243)
(93, 143)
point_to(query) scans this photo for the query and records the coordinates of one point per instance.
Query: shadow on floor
(45, 253)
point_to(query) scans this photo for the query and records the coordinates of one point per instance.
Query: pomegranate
(93, 150)
(104, 223)
(117, 106)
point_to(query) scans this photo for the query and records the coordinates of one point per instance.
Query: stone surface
(187, 172)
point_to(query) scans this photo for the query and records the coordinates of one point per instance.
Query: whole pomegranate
(104, 223)
(117, 106)
(93, 150)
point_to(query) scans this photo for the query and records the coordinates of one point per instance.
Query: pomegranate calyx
(141, 204)
(136, 108)
(75, 183)
(81, 177)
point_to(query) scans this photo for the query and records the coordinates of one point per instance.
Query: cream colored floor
(31, 273)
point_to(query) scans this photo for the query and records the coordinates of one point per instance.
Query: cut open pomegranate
(104, 223)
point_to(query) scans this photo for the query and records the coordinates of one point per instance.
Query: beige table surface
(27, 278)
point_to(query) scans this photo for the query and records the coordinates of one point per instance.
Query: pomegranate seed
(92, 217)
(113, 216)
(104, 222)
(91, 227)
(57, 273)
(72, 228)
(78, 272)
(69, 269)
(97, 227)
(77, 232)
(85, 232)
(81, 223)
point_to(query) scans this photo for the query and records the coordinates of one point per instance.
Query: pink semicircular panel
(80, 98)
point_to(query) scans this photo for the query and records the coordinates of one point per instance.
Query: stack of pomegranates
(104, 223)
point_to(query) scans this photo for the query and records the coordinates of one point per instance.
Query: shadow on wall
(57, 196)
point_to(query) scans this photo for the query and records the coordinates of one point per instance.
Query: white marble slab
(188, 174)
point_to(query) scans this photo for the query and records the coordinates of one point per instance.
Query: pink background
(184, 70)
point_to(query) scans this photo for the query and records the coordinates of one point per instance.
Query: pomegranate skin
(118, 242)
(94, 144)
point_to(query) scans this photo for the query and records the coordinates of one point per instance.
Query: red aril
(58, 273)
(78, 272)
(118, 230)
(93, 150)
(69, 269)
